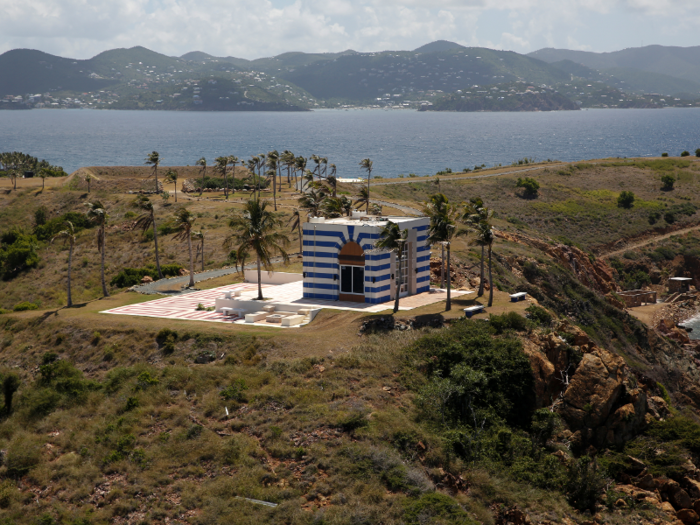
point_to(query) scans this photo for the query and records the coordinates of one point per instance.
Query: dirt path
(649, 241)
(405, 209)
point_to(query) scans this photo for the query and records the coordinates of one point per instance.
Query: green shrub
(51, 227)
(131, 403)
(668, 181)
(664, 154)
(508, 321)
(24, 306)
(584, 484)
(167, 339)
(194, 432)
(18, 253)
(539, 315)
(436, 508)
(235, 391)
(472, 374)
(23, 454)
(625, 199)
(685, 154)
(697, 152)
(529, 185)
(654, 217)
(145, 379)
(132, 276)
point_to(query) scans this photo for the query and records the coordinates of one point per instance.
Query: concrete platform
(184, 306)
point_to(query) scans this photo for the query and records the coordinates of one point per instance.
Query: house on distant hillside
(341, 263)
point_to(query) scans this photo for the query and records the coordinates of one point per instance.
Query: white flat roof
(369, 220)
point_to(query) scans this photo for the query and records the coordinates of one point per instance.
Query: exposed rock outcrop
(592, 389)
(594, 273)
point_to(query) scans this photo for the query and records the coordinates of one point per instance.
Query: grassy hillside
(354, 418)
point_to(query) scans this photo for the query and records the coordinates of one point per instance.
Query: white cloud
(255, 28)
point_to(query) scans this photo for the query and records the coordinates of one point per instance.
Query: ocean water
(398, 141)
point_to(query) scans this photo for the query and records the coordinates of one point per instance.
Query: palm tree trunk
(233, 178)
(43, 182)
(398, 281)
(104, 285)
(369, 176)
(155, 173)
(442, 268)
(201, 190)
(301, 238)
(274, 189)
(70, 262)
(225, 184)
(155, 240)
(189, 247)
(490, 280)
(260, 295)
(481, 283)
(202, 253)
(448, 307)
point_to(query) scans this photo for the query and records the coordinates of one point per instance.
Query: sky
(258, 28)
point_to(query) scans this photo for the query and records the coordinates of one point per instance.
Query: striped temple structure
(340, 262)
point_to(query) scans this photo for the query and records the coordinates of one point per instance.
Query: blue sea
(398, 141)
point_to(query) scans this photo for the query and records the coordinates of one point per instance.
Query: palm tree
(288, 160)
(171, 177)
(435, 208)
(485, 237)
(184, 220)
(442, 229)
(254, 230)
(317, 161)
(98, 214)
(295, 221)
(347, 205)
(153, 159)
(366, 164)
(272, 163)
(233, 162)
(146, 221)
(43, 174)
(68, 235)
(332, 207)
(202, 162)
(473, 214)
(312, 201)
(309, 180)
(393, 238)
(221, 167)
(200, 235)
(332, 179)
(300, 166)
(362, 198)
(88, 177)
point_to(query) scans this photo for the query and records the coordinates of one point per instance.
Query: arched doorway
(352, 273)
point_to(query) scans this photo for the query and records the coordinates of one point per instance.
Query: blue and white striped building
(340, 262)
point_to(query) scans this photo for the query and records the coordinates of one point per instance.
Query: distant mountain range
(138, 78)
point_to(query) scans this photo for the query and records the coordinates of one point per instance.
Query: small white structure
(679, 284)
(341, 264)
